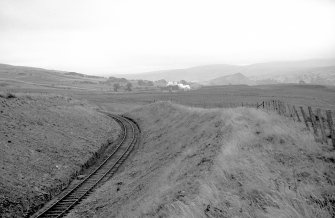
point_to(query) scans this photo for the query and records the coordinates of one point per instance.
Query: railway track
(99, 175)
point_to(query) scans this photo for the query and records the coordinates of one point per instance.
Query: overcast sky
(127, 36)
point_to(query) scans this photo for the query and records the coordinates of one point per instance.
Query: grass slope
(218, 163)
(44, 141)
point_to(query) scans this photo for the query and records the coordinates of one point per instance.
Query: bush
(7, 95)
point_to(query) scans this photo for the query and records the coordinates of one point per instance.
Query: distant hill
(39, 75)
(12, 77)
(233, 79)
(21, 76)
(313, 71)
(197, 74)
(317, 75)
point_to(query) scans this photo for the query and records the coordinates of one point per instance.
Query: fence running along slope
(316, 119)
(100, 175)
(319, 121)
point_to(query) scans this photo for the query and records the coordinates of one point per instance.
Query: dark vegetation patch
(7, 95)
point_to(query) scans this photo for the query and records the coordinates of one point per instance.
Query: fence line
(319, 121)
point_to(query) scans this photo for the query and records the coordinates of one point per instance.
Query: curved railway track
(99, 175)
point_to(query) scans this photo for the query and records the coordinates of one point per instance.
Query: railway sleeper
(66, 200)
(62, 204)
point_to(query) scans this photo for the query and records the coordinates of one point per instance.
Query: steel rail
(65, 203)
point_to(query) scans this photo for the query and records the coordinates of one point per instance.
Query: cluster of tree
(118, 80)
(145, 83)
(161, 83)
(117, 86)
(111, 80)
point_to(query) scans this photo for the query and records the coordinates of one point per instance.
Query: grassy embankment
(218, 163)
(45, 141)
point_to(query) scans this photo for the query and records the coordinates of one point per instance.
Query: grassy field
(222, 96)
(45, 140)
(99, 91)
(16, 79)
(238, 162)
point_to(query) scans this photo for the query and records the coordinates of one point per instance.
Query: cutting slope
(45, 141)
(218, 163)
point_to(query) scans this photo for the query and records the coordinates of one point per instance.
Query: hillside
(238, 162)
(234, 79)
(313, 71)
(37, 75)
(44, 141)
(12, 77)
(197, 74)
(320, 76)
(19, 77)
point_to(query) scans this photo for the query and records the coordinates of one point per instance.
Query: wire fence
(319, 121)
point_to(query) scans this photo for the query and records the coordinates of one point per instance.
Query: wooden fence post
(296, 113)
(290, 111)
(331, 127)
(323, 132)
(284, 109)
(274, 105)
(304, 117)
(278, 107)
(313, 121)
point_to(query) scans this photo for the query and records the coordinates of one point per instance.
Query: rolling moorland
(208, 157)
